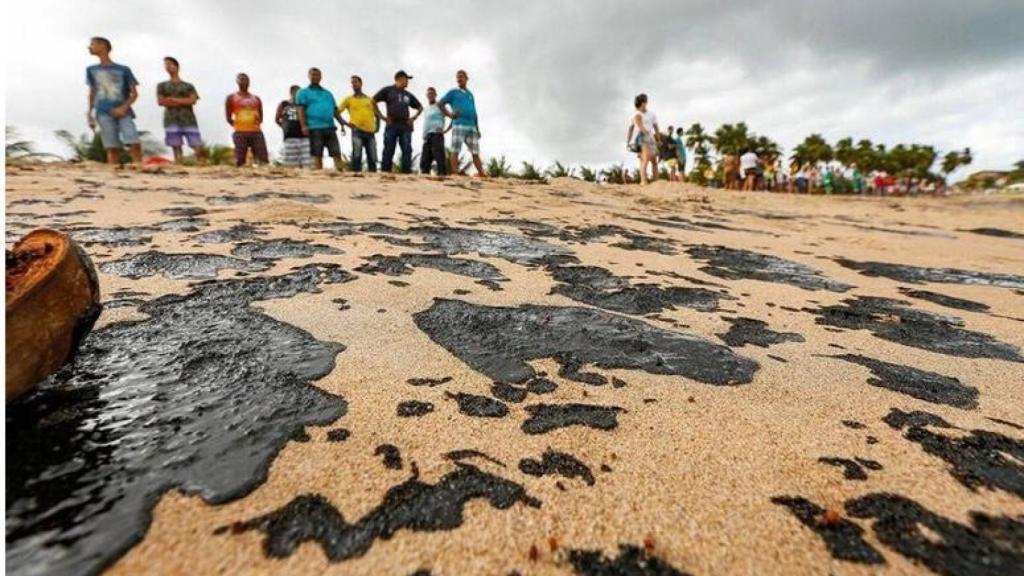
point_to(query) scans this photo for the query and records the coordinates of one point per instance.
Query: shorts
(116, 132)
(174, 136)
(296, 152)
(470, 135)
(751, 172)
(244, 141)
(319, 138)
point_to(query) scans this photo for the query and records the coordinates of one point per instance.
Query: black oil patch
(479, 406)
(547, 417)
(854, 424)
(599, 287)
(414, 408)
(895, 321)
(920, 384)
(500, 341)
(844, 539)
(554, 462)
(943, 300)
(997, 232)
(229, 199)
(980, 458)
(853, 469)
(338, 435)
(736, 264)
(183, 211)
(281, 248)
(1006, 423)
(178, 266)
(632, 560)
(404, 264)
(431, 382)
(528, 227)
(117, 236)
(519, 391)
(743, 331)
(633, 240)
(993, 546)
(512, 247)
(456, 455)
(920, 275)
(392, 457)
(199, 396)
(412, 505)
(236, 233)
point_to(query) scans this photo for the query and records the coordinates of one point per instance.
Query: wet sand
(390, 374)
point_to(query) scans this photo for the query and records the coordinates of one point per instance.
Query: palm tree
(559, 170)
(732, 139)
(845, 153)
(767, 149)
(813, 150)
(530, 172)
(15, 149)
(953, 160)
(588, 174)
(700, 142)
(499, 168)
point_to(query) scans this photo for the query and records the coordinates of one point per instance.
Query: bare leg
(643, 168)
(136, 153)
(453, 161)
(479, 166)
(338, 164)
(113, 156)
(200, 153)
(177, 154)
(318, 163)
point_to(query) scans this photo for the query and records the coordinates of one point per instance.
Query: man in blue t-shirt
(317, 113)
(112, 91)
(465, 127)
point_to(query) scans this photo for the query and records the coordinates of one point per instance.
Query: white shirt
(748, 161)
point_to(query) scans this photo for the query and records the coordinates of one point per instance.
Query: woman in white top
(645, 127)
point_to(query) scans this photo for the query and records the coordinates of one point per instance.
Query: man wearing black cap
(398, 122)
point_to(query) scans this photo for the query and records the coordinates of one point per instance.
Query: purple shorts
(176, 135)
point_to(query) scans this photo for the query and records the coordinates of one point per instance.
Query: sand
(690, 469)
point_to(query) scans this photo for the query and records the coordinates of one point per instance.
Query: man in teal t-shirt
(317, 112)
(465, 127)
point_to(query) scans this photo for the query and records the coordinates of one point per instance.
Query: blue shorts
(174, 136)
(116, 132)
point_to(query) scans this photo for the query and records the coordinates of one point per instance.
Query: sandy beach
(385, 374)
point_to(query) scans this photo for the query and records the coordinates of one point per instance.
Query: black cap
(401, 73)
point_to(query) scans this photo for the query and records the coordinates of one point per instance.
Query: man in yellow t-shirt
(362, 119)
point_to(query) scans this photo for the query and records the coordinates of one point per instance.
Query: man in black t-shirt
(398, 122)
(296, 146)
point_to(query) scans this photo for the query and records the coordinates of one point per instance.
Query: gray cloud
(556, 79)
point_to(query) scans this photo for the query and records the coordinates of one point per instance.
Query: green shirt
(177, 115)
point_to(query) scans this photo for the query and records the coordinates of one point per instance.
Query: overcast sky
(556, 80)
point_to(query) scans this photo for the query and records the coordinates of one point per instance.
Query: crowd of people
(309, 119)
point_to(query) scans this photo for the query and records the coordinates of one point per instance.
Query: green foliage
(615, 174)
(813, 150)
(530, 172)
(86, 147)
(559, 170)
(732, 138)
(588, 174)
(953, 160)
(499, 168)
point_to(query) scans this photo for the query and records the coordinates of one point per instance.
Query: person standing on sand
(667, 152)
(399, 124)
(180, 125)
(112, 91)
(680, 153)
(731, 171)
(465, 124)
(362, 116)
(748, 167)
(317, 113)
(645, 127)
(296, 146)
(244, 112)
(433, 136)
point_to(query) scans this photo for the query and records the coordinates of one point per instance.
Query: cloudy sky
(555, 80)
